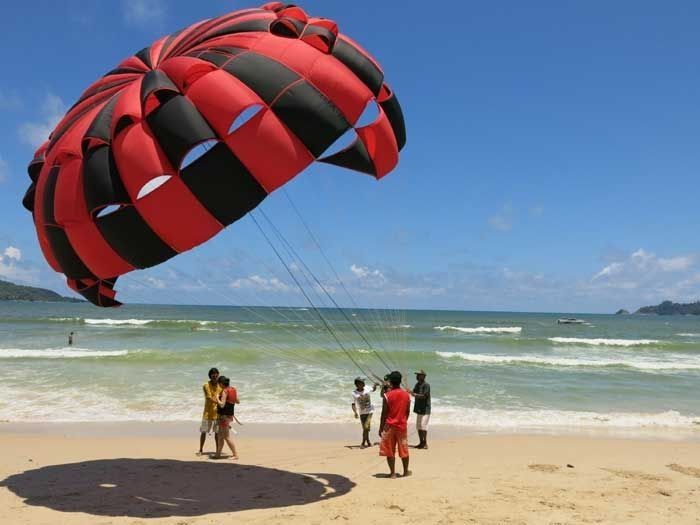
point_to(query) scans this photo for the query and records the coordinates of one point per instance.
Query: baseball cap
(395, 377)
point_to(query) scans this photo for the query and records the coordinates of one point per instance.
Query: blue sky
(551, 163)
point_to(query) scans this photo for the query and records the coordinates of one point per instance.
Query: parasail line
(268, 344)
(294, 255)
(313, 306)
(323, 288)
(316, 242)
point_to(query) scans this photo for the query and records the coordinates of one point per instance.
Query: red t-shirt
(398, 401)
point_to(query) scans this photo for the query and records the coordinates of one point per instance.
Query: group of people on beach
(396, 409)
(220, 400)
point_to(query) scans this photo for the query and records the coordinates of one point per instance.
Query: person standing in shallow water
(421, 407)
(396, 408)
(70, 339)
(362, 408)
(211, 389)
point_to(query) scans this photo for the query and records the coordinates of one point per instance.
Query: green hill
(670, 308)
(16, 292)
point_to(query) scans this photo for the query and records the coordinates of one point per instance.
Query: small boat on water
(570, 320)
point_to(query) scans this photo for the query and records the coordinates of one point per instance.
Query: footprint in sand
(688, 471)
(543, 467)
(634, 474)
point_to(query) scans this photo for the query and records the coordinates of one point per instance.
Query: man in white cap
(362, 408)
(421, 407)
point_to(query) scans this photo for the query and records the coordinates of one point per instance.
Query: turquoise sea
(488, 371)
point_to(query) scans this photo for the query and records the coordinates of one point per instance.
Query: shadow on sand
(153, 488)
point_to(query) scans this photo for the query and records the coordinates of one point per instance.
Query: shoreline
(332, 431)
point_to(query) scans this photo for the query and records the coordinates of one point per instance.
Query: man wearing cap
(393, 428)
(362, 408)
(421, 407)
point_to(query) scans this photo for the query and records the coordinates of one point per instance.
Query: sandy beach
(140, 473)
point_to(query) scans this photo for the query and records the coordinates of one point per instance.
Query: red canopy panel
(191, 133)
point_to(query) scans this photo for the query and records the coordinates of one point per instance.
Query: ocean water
(488, 371)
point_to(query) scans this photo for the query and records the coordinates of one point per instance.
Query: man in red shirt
(393, 427)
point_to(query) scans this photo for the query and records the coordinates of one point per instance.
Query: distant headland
(671, 308)
(17, 292)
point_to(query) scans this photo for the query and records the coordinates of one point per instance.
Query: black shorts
(365, 420)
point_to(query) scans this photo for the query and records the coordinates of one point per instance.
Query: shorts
(422, 421)
(224, 425)
(366, 421)
(208, 426)
(393, 438)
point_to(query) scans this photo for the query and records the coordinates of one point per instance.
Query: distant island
(622, 311)
(16, 292)
(671, 308)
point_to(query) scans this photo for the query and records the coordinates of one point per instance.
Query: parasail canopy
(191, 133)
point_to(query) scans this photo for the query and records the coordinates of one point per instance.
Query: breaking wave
(482, 329)
(603, 342)
(57, 353)
(641, 364)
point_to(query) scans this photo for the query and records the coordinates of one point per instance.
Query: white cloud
(641, 265)
(143, 12)
(13, 269)
(156, 283)
(363, 271)
(503, 220)
(675, 264)
(4, 170)
(11, 272)
(13, 253)
(258, 283)
(35, 133)
(648, 278)
(383, 285)
(610, 269)
(10, 101)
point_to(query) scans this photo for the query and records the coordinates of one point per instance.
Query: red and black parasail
(110, 192)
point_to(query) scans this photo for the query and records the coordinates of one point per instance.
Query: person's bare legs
(392, 464)
(202, 439)
(219, 445)
(406, 472)
(232, 446)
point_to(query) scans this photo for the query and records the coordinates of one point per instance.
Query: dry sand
(121, 474)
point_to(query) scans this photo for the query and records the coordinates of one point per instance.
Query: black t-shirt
(421, 405)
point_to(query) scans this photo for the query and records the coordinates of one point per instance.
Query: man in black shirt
(421, 406)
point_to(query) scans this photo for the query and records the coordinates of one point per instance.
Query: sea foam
(482, 329)
(640, 364)
(603, 342)
(57, 353)
(144, 322)
(119, 322)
